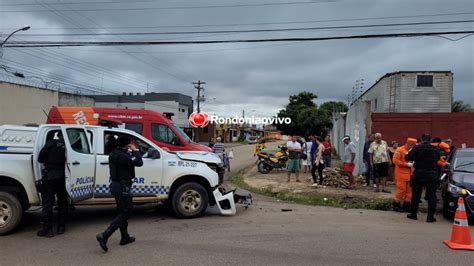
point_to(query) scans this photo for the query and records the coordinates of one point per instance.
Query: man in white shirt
(294, 155)
(349, 158)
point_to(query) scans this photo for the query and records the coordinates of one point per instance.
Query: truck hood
(206, 157)
(465, 180)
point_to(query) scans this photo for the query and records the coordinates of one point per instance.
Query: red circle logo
(199, 119)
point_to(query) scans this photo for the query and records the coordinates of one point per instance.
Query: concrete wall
(337, 132)
(119, 105)
(23, 104)
(356, 127)
(400, 126)
(67, 99)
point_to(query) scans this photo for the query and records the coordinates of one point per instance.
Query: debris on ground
(335, 177)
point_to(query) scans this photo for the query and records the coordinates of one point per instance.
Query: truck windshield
(182, 133)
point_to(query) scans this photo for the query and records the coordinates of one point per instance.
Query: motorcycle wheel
(261, 168)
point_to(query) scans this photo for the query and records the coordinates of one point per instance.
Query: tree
(333, 106)
(461, 106)
(314, 121)
(306, 117)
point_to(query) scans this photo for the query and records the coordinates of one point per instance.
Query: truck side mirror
(153, 153)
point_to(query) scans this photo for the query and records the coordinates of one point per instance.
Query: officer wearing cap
(122, 163)
(53, 184)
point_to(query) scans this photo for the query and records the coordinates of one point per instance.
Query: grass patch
(312, 199)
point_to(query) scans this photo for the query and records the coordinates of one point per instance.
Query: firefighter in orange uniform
(403, 172)
(444, 152)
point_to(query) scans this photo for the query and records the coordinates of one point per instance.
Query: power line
(142, 60)
(70, 20)
(79, 3)
(175, 7)
(82, 86)
(77, 69)
(301, 39)
(241, 48)
(254, 30)
(80, 64)
(255, 24)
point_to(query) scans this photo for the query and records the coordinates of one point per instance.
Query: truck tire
(11, 212)
(190, 200)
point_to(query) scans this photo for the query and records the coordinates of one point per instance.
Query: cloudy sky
(256, 77)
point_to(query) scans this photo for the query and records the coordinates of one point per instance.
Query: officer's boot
(397, 207)
(406, 206)
(126, 238)
(412, 216)
(46, 231)
(430, 218)
(103, 237)
(61, 229)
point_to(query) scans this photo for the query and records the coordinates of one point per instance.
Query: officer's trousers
(417, 189)
(51, 189)
(124, 200)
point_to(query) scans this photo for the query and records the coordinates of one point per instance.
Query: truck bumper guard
(225, 201)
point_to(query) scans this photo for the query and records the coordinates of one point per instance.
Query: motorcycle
(267, 161)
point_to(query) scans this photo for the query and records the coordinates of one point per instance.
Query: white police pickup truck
(188, 181)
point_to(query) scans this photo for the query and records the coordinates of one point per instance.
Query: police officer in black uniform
(426, 157)
(122, 163)
(53, 184)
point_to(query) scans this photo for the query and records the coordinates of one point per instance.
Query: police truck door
(80, 163)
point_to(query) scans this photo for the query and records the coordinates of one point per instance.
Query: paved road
(244, 156)
(260, 235)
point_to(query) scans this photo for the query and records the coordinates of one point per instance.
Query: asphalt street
(269, 232)
(243, 156)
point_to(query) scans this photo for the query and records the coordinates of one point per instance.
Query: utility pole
(197, 85)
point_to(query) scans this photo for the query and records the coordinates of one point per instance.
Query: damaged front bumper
(225, 202)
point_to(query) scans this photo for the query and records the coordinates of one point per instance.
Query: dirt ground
(276, 180)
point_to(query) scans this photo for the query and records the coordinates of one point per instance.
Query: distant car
(460, 177)
(252, 140)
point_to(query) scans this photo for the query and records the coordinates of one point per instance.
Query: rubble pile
(335, 177)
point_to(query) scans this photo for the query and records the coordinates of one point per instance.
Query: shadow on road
(85, 216)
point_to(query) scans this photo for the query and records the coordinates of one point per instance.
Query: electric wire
(175, 7)
(254, 24)
(299, 39)
(252, 30)
(82, 86)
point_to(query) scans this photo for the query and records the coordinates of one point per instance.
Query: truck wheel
(11, 212)
(190, 200)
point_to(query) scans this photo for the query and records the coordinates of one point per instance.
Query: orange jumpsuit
(402, 175)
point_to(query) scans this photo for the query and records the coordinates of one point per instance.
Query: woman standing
(317, 161)
(307, 150)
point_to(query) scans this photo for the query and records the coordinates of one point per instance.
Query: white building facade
(411, 92)
(179, 104)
